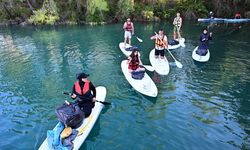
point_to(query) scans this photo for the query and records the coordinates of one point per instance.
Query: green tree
(46, 15)
(96, 10)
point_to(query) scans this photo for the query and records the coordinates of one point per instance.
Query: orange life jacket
(159, 43)
(129, 26)
(85, 88)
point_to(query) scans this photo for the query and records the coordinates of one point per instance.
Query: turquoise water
(199, 107)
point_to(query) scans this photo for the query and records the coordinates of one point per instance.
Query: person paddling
(161, 43)
(128, 27)
(177, 26)
(81, 91)
(134, 62)
(204, 42)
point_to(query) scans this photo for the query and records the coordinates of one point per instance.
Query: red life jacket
(134, 63)
(129, 26)
(85, 88)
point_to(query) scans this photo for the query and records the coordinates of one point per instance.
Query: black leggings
(86, 108)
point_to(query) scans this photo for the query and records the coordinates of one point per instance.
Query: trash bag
(138, 75)
(70, 115)
(131, 48)
(173, 42)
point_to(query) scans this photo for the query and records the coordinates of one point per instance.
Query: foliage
(96, 9)
(125, 8)
(46, 15)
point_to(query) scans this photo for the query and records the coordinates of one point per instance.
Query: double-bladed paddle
(104, 103)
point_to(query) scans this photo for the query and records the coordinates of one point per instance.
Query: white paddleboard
(181, 44)
(145, 86)
(161, 66)
(200, 58)
(88, 123)
(121, 46)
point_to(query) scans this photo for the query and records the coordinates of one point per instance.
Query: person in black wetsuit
(85, 94)
(204, 42)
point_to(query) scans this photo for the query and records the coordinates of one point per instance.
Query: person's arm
(125, 26)
(139, 56)
(166, 41)
(73, 93)
(92, 88)
(133, 29)
(129, 59)
(180, 23)
(174, 22)
(153, 37)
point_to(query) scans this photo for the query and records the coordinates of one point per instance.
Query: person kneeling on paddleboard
(204, 42)
(161, 43)
(82, 91)
(134, 62)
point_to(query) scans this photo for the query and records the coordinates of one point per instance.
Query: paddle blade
(104, 103)
(182, 44)
(66, 93)
(140, 40)
(178, 64)
(149, 68)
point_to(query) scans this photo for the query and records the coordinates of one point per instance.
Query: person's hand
(73, 96)
(93, 99)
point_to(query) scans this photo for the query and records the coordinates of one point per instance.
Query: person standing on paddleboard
(177, 26)
(204, 42)
(134, 61)
(161, 43)
(82, 93)
(128, 27)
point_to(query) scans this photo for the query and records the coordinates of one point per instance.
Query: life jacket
(134, 63)
(159, 43)
(129, 26)
(177, 21)
(85, 88)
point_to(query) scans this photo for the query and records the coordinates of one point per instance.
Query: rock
(247, 14)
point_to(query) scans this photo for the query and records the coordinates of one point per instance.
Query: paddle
(179, 37)
(104, 103)
(140, 40)
(178, 64)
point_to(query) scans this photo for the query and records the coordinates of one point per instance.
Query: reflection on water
(201, 106)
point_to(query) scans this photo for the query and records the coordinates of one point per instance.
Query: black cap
(82, 75)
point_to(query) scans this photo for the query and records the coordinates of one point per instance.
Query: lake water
(203, 106)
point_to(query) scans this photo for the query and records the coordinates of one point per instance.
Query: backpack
(131, 48)
(70, 115)
(173, 42)
(138, 75)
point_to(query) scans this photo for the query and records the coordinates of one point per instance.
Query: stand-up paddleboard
(145, 86)
(215, 20)
(200, 58)
(236, 20)
(161, 66)
(125, 52)
(181, 44)
(88, 123)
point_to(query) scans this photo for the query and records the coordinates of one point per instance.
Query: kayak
(181, 44)
(88, 123)
(121, 46)
(236, 20)
(200, 58)
(161, 66)
(217, 20)
(145, 86)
